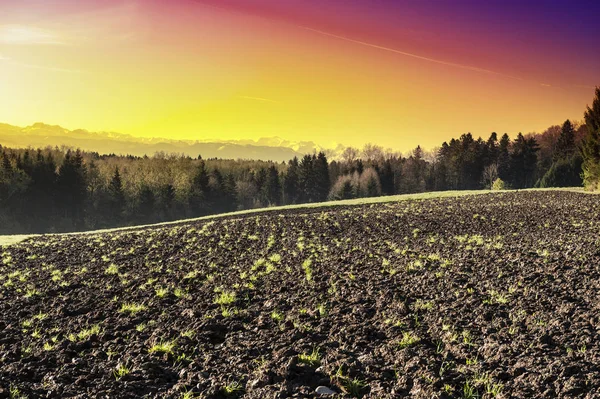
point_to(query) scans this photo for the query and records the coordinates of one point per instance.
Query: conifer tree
(322, 184)
(565, 146)
(591, 144)
(291, 183)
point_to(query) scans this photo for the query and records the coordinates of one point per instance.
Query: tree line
(61, 189)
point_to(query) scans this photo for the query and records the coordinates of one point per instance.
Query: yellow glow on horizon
(212, 74)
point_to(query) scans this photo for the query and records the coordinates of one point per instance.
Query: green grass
(225, 298)
(121, 371)
(132, 308)
(408, 339)
(163, 347)
(311, 359)
(85, 334)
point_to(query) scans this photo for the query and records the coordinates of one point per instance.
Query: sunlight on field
(13, 239)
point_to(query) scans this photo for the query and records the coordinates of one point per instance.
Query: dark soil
(494, 295)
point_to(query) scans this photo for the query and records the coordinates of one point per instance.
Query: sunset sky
(392, 72)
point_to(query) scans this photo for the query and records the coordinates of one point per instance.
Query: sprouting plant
(448, 389)
(121, 371)
(306, 266)
(439, 347)
(467, 338)
(180, 293)
(132, 308)
(481, 378)
(277, 316)
(469, 391)
(423, 305)
(275, 258)
(355, 387)
(48, 346)
(233, 387)
(112, 269)
(311, 359)
(470, 361)
(163, 347)
(40, 316)
(15, 393)
(140, 327)
(188, 395)
(493, 389)
(408, 339)
(228, 312)
(445, 366)
(191, 275)
(86, 333)
(161, 292)
(188, 333)
(31, 291)
(322, 309)
(225, 298)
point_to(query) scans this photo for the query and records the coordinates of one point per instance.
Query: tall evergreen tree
(386, 177)
(523, 161)
(291, 183)
(200, 195)
(322, 183)
(591, 144)
(72, 188)
(115, 201)
(145, 205)
(504, 158)
(272, 187)
(306, 180)
(565, 146)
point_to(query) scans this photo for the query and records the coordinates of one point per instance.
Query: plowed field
(493, 295)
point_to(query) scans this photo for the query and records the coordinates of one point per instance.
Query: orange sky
(186, 69)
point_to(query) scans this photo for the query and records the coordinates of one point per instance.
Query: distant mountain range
(43, 135)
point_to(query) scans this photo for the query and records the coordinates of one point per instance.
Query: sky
(398, 73)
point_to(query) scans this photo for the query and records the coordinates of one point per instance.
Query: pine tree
(72, 187)
(306, 180)
(115, 204)
(322, 183)
(565, 146)
(200, 195)
(504, 158)
(291, 183)
(591, 145)
(523, 161)
(272, 187)
(386, 177)
(145, 204)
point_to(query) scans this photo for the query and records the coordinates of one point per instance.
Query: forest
(62, 189)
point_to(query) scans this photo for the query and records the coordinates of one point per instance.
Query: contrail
(419, 57)
(404, 53)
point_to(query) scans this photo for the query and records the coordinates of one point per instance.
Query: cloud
(28, 35)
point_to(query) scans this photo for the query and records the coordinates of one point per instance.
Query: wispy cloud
(28, 35)
(258, 99)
